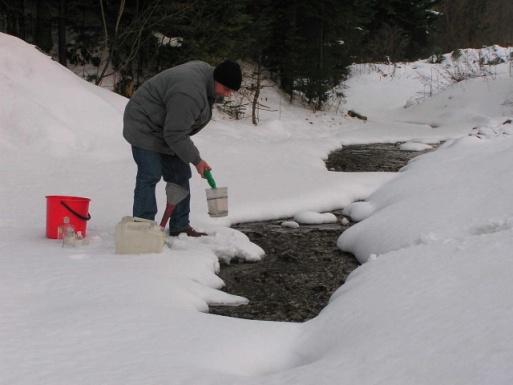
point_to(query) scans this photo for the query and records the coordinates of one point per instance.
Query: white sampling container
(138, 236)
(217, 200)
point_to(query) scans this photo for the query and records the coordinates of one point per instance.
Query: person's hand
(203, 166)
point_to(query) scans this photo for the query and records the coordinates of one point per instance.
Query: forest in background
(305, 46)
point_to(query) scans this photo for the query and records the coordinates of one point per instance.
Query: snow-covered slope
(46, 108)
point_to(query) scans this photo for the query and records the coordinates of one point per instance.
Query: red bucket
(58, 207)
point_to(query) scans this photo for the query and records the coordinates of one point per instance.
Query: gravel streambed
(294, 281)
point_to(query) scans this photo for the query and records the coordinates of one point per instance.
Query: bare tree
(255, 82)
(254, 105)
(110, 42)
(123, 39)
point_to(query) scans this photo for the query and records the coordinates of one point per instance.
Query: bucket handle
(75, 213)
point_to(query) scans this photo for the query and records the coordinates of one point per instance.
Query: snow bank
(49, 109)
(453, 192)
(434, 313)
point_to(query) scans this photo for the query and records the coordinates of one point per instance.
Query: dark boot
(189, 231)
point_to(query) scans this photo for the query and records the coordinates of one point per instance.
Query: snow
(313, 218)
(360, 210)
(290, 224)
(429, 305)
(414, 146)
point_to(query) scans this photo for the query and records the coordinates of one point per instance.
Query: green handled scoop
(210, 179)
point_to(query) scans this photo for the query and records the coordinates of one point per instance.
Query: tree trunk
(43, 34)
(140, 59)
(254, 118)
(62, 33)
(15, 18)
(11, 23)
(321, 44)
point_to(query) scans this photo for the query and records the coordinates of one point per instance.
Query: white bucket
(217, 199)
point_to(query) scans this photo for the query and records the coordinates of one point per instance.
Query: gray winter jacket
(169, 108)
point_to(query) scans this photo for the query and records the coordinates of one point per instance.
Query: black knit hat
(228, 74)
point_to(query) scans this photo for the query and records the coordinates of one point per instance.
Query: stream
(302, 266)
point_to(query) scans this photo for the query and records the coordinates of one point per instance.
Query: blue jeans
(151, 166)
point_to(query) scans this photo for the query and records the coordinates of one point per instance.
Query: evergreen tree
(306, 45)
(400, 29)
(285, 47)
(474, 23)
(258, 40)
(313, 44)
(14, 14)
(211, 31)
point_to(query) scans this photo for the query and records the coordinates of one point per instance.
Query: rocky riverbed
(297, 276)
(303, 266)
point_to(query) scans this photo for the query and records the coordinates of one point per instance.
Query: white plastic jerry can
(138, 236)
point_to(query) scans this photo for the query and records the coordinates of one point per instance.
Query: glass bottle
(66, 232)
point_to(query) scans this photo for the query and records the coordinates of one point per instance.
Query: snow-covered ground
(432, 303)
